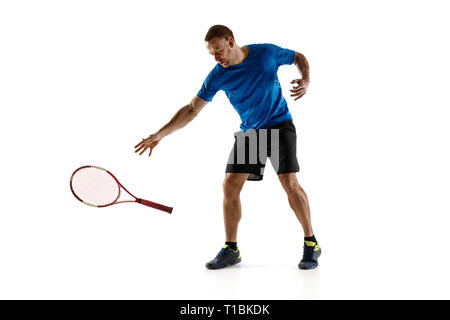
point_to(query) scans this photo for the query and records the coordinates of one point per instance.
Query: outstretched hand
(148, 143)
(300, 90)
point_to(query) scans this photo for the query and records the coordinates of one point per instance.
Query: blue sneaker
(311, 254)
(226, 257)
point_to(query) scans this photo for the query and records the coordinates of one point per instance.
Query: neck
(241, 54)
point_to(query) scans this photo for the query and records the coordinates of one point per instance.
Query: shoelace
(221, 253)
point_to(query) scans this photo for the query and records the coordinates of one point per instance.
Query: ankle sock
(232, 245)
(312, 238)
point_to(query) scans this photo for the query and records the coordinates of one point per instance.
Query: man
(248, 75)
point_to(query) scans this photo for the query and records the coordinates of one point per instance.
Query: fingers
(145, 144)
(139, 144)
(143, 151)
(144, 141)
(298, 96)
(143, 148)
(298, 91)
(300, 82)
(299, 88)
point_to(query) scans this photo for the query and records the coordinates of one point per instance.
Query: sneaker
(226, 257)
(311, 254)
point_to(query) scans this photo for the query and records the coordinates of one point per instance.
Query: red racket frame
(144, 202)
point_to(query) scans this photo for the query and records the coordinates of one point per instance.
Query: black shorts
(252, 148)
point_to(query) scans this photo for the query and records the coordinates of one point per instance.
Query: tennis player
(248, 76)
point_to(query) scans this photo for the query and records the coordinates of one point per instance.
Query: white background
(82, 82)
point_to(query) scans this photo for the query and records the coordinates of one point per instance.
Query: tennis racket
(99, 188)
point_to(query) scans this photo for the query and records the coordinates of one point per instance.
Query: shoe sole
(308, 268)
(221, 267)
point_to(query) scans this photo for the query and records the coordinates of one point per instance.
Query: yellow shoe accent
(310, 243)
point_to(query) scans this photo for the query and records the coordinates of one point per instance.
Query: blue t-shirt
(252, 86)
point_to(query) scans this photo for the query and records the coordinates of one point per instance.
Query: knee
(231, 189)
(292, 187)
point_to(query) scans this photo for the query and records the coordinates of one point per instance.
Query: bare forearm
(303, 66)
(178, 121)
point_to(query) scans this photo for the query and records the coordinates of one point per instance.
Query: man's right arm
(178, 121)
(183, 116)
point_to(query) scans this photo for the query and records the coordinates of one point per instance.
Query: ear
(230, 42)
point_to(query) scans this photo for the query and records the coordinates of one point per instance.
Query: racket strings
(95, 186)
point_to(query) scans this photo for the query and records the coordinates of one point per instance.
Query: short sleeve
(210, 86)
(283, 56)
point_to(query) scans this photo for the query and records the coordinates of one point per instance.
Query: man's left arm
(302, 84)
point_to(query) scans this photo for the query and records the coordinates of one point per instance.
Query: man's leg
(297, 200)
(232, 186)
(229, 254)
(299, 203)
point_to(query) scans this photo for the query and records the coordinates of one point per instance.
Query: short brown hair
(219, 31)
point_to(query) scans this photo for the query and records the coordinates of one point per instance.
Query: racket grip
(155, 205)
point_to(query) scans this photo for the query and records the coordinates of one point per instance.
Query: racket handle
(155, 205)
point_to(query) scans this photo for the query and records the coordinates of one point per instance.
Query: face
(221, 49)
